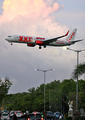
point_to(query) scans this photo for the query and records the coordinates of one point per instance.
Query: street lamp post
(77, 51)
(44, 81)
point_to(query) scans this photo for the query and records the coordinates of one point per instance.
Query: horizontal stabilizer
(77, 40)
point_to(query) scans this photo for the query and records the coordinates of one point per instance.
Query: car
(50, 115)
(5, 116)
(12, 114)
(35, 116)
(4, 111)
(57, 114)
(18, 114)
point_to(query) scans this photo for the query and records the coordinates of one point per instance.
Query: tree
(80, 70)
(4, 87)
(57, 96)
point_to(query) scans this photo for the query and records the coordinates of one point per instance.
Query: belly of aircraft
(56, 43)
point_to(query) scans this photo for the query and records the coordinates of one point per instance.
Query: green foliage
(80, 118)
(66, 116)
(68, 85)
(57, 96)
(80, 69)
(4, 87)
(69, 118)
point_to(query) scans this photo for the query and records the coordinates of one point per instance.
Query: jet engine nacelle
(38, 42)
(30, 44)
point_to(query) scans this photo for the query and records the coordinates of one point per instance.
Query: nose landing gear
(11, 43)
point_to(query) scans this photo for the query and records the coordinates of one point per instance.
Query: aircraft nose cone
(5, 38)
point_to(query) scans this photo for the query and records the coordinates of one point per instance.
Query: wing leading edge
(54, 39)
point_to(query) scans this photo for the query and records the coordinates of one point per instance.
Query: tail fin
(71, 36)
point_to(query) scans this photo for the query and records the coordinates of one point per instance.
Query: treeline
(57, 96)
(4, 87)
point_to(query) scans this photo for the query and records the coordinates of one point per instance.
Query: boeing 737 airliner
(32, 41)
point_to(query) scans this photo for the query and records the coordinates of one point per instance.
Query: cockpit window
(9, 36)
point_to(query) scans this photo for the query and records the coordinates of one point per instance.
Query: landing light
(64, 48)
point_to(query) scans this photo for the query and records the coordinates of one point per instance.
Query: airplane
(32, 41)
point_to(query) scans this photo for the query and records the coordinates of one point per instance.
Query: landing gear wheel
(44, 46)
(39, 47)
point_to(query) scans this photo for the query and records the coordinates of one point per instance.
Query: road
(18, 119)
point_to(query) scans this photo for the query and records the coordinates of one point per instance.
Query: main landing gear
(39, 47)
(11, 43)
(43, 46)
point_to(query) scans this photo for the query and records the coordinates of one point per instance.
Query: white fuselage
(32, 40)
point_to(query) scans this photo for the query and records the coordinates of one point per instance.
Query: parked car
(5, 116)
(4, 111)
(18, 114)
(57, 114)
(12, 114)
(34, 116)
(48, 115)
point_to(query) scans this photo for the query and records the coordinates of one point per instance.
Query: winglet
(67, 33)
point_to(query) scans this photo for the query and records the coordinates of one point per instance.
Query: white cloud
(32, 17)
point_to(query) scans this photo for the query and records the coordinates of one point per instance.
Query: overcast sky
(45, 18)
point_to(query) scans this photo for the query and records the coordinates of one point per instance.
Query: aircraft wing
(54, 39)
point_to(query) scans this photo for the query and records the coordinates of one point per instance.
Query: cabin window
(9, 36)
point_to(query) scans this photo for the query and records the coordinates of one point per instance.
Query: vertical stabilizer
(71, 36)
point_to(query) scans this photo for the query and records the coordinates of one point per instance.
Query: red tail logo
(69, 38)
